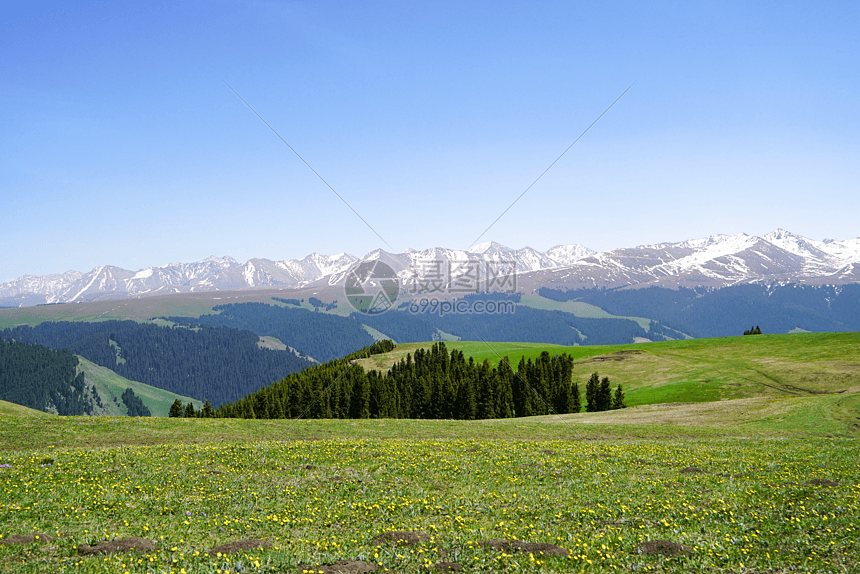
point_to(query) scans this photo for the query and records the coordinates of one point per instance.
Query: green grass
(8, 409)
(110, 386)
(319, 491)
(377, 336)
(693, 370)
(577, 309)
(135, 310)
(730, 479)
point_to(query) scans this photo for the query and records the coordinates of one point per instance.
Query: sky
(122, 143)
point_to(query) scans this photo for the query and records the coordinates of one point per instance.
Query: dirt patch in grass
(823, 482)
(664, 547)
(342, 567)
(401, 536)
(694, 470)
(240, 546)
(111, 546)
(446, 567)
(26, 538)
(544, 548)
(616, 356)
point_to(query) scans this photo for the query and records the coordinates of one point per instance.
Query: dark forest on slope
(208, 363)
(431, 384)
(43, 379)
(728, 311)
(315, 334)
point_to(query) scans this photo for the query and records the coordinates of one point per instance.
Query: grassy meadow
(110, 387)
(763, 478)
(693, 370)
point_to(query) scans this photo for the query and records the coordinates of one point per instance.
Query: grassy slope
(110, 386)
(577, 309)
(8, 409)
(822, 416)
(136, 310)
(695, 370)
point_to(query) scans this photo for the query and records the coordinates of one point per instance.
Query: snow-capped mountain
(715, 261)
(211, 274)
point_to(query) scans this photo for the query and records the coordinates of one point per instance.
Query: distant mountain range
(715, 261)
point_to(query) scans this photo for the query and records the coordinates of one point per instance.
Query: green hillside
(8, 409)
(110, 387)
(577, 309)
(694, 370)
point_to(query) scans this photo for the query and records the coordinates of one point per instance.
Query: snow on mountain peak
(716, 259)
(143, 273)
(489, 247)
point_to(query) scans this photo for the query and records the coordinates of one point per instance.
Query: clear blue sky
(120, 143)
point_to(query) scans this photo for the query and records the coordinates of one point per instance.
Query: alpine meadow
(469, 287)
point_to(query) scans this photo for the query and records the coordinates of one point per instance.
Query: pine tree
(618, 399)
(575, 401)
(189, 410)
(176, 409)
(208, 411)
(591, 388)
(604, 395)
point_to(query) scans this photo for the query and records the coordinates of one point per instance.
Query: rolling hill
(697, 370)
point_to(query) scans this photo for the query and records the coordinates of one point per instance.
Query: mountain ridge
(716, 261)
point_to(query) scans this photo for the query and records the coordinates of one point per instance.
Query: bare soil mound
(693, 470)
(664, 547)
(111, 546)
(342, 567)
(240, 546)
(401, 536)
(616, 356)
(544, 548)
(823, 482)
(26, 538)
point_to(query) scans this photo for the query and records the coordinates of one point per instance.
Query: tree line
(215, 363)
(319, 335)
(525, 324)
(432, 384)
(44, 379)
(134, 404)
(708, 312)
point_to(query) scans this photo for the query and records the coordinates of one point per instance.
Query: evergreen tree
(360, 404)
(618, 398)
(591, 388)
(575, 401)
(208, 411)
(176, 409)
(134, 404)
(189, 410)
(280, 413)
(604, 395)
